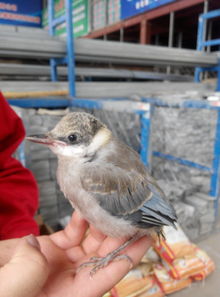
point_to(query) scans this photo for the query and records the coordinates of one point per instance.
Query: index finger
(73, 233)
(93, 241)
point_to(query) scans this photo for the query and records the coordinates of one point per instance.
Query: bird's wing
(156, 211)
(129, 194)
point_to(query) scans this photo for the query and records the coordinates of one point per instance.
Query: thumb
(27, 271)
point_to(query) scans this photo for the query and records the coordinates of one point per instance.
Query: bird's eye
(72, 138)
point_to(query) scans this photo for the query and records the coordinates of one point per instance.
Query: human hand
(74, 248)
(64, 251)
(26, 272)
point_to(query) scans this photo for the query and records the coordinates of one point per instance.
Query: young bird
(106, 182)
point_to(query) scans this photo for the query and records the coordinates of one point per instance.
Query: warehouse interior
(149, 70)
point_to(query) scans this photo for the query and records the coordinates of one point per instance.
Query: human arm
(67, 249)
(18, 189)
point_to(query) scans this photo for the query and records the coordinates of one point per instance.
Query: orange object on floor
(175, 246)
(154, 290)
(132, 284)
(167, 283)
(184, 267)
(209, 265)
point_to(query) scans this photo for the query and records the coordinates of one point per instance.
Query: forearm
(18, 201)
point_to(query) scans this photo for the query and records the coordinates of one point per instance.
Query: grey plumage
(128, 191)
(105, 180)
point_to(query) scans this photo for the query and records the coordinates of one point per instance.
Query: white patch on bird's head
(82, 150)
(101, 138)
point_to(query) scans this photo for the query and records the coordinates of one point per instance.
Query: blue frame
(182, 161)
(145, 150)
(69, 59)
(215, 169)
(215, 190)
(145, 115)
(201, 43)
(40, 102)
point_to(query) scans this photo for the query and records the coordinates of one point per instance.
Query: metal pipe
(180, 40)
(100, 51)
(205, 10)
(170, 37)
(171, 29)
(209, 37)
(214, 185)
(31, 71)
(102, 89)
(51, 17)
(70, 48)
(121, 34)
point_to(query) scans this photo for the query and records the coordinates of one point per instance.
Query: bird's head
(78, 134)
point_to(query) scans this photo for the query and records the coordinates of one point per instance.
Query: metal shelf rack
(142, 108)
(214, 170)
(69, 58)
(202, 43)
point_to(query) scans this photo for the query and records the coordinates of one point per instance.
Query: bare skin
(61, 254)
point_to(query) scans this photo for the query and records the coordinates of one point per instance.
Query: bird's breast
(88, 206)
(101, 219)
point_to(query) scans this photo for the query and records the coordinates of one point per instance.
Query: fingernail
(32, 240)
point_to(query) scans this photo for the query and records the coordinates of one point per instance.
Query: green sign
(80, 17)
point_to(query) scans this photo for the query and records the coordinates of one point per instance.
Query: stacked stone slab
(43, 163)
(188, 134)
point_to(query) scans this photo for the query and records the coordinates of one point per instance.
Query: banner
(80, 17)
(131, 8)
(21, 12)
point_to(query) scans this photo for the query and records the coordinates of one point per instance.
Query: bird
(105, 180)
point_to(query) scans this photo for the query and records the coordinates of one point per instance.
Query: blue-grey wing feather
(125, 189)
(141, 203)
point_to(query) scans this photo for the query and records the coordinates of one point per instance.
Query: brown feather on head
(83, 125)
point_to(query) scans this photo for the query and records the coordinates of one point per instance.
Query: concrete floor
(210, 287)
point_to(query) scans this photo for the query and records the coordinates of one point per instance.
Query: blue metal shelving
(146, 151)
(202, 43)
(145, 115)
(214, 170)
(69, 58)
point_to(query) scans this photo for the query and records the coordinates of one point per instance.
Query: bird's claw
(125, 257)
(99, 262)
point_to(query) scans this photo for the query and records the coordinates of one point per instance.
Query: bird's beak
(44, 139)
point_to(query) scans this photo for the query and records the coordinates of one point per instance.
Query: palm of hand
(67, 249)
